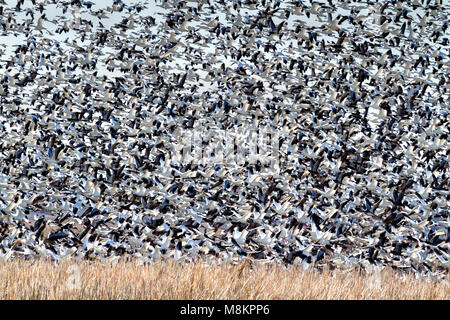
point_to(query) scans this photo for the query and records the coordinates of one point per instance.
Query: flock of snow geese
(92, 96)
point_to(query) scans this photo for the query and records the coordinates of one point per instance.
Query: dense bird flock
(93, 98)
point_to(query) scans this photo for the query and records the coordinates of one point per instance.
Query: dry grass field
(69, 279)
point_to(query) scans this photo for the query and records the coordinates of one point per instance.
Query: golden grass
(70, 279)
